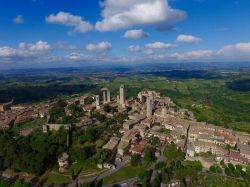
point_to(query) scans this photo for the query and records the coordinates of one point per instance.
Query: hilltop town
(149, 117)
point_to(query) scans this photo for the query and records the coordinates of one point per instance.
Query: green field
(127, 172)
(32, 124)
(213, 181)
(56, 179)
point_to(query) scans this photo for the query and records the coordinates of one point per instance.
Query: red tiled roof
(140, 147)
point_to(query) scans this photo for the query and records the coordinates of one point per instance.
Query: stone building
(55, 127)
(203, 147)
(6, 106)
(123, 147)
(139, 147)
(234, 157)
(112, 144)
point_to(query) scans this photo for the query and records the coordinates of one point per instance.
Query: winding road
(103, 175)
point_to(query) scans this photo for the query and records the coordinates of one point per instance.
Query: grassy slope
(126, 172)
(86, 169)
(36, 123)
(209, 181)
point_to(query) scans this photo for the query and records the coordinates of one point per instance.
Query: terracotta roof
(140, 147)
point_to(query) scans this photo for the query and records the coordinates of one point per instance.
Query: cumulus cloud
(230, 53)
(194, 55)
(100, 47)
(151, 48)
(237, 52)
(67, 19)
(134, 48)
(7, 51)
(160, 45)
(135, 34)
(39, 46)
(18, 19)
(97, 58)
(236, 49)
(77, 57)
(41, 53)
(64, 45)
(149, 52)
(24, 50)
(120, 14)
(188, 39)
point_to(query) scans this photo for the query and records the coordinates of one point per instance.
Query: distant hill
(240, 85)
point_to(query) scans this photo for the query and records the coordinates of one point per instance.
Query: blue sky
(55, 33)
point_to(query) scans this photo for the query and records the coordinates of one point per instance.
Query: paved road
(105, 174)
(125, 182)
(161, 159)
(133, 180)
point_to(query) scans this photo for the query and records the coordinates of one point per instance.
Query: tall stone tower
(163, 111)
(106, 95)
(149, 106)
(122, 96)
(97, 102)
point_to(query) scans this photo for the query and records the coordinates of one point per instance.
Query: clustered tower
(150, 101)
(122, 96)
(106, 95)
(97, 102)
(107, 98)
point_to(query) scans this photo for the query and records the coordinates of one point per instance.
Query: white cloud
(67, 19)
(7, 51)
(149, 52)
(96, 58)
(18, 19)
(236, 49)
(135, 34)
(239, 52)
(134, 48)
(100, 47)
(77, 57)
(120, 14)
(194, 55)
(38, 47)
(188, 39)
(26, 50)
(160, 45)
(236, 52)
(64, 45)
(41, 53)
